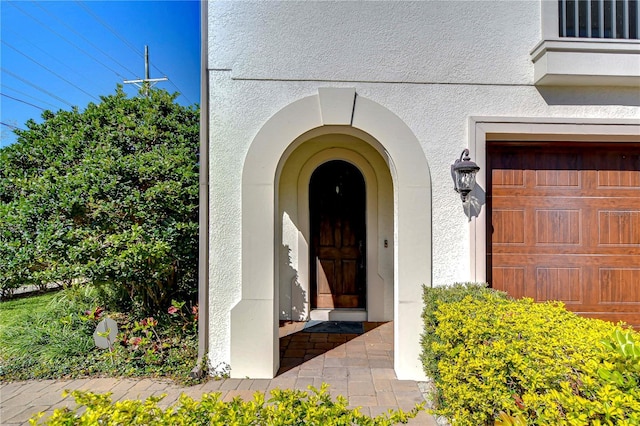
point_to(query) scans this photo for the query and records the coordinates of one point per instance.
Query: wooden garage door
(565, 225)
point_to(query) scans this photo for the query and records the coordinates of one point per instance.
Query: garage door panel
(508, 226)
(565, 225)
(511, 279)
(613, 179)
(618, 170)
(619, 227)
(558, 226)
(619, 285)
(559, 283)
(557, 170)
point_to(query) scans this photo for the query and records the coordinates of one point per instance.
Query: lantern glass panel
(465, 180)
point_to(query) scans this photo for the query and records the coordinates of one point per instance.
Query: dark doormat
(336, 327)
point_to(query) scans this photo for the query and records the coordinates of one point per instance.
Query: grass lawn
(51, 336)
(14, 312)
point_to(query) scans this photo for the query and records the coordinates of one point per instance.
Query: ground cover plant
(51, 336)
(495, 360)
(284, 407)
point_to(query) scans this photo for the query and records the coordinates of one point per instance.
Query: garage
(565, 225)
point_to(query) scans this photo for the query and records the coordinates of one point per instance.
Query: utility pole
(146, 82)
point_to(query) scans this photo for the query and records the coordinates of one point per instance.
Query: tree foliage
(108, 195)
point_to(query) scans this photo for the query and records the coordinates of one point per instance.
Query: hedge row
(500, 361)
(285, 407)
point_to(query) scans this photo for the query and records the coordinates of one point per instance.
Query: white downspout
(203, 213)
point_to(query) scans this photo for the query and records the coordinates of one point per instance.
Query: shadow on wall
(477, 199)
(297, 299)
(625, 96)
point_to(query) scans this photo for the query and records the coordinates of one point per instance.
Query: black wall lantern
(464, 175)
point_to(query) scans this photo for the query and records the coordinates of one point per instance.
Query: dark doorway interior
(338, 233)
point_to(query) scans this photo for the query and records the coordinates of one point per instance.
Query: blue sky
(54, 54)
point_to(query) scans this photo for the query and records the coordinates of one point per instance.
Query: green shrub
(500, 359)
(433, 297)
(286, 407)
(107, 195)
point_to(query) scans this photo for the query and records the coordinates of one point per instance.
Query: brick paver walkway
(359, 367)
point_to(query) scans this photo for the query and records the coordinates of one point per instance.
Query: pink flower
(173, 310)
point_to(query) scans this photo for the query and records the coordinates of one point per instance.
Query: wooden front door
(338, 233)
(565, 225)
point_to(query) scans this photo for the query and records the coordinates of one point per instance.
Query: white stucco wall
(433, 63)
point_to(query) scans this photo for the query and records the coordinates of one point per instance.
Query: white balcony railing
(588, 43)
(614, 19)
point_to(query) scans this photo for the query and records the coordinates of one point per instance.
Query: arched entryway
(254, 319)
(320, 153)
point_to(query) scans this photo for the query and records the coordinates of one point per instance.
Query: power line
(12, 3)
(126, 42)
(180, 91)
(14, 75)
(50, 56)
(174, 85)
(12, 126)
(20, 100)
(27, 95)
(51, 71)
(81, 36)
(108, 27)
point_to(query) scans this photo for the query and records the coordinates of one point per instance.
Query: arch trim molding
(254, 319)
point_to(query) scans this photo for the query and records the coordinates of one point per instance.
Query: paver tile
(24, 415)
(294, 353)
(357, 362)
(359, 373)
(48, 399)
(362, 401)
(282, 382)
(377, 410)
(212, 386)
(310, 372)
(289, 373)
(8, 413)
(383, 373)
(230, 384)
(140, 385)
(408, 400)
(404, 386)
(337, 383)
(423, 419)
(335, 362)
(382, 385)
(260, 384)
(381, 363)
(330, 372)
(313, 363)
(386, 399)
(100, 385)
(361, 388)
(245, 394)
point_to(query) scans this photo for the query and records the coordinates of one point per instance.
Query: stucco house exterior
(328, 134)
